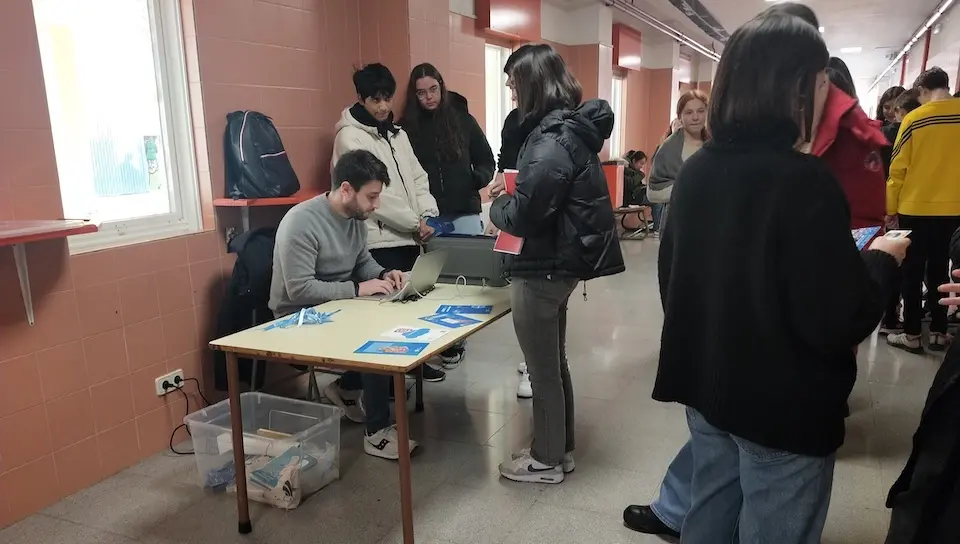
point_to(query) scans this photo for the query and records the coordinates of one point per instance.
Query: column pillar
(663, 63)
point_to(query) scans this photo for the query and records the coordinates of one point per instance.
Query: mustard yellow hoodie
(925, 170)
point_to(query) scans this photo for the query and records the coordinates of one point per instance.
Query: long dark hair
(840, 76)
(890, 95)
(768, 71)
(543, 82)
(449, 139)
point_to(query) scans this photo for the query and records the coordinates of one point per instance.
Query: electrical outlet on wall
(171, 380)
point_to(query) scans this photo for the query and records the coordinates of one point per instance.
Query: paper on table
(506, 242)
(374, 347)
(420, 334)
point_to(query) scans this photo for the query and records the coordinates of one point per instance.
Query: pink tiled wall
(76, 390)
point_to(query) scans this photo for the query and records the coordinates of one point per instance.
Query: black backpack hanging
(257, 165)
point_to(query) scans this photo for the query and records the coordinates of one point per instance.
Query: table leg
(236, 425)
(419, 405)
(403, 433)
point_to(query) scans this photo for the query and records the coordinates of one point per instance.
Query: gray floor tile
(128, 504)
(557, 525)
(43, 529)
(473, 421)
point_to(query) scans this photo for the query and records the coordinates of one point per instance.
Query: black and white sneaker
(452, 356)
(524, 468)
(431, 374)
(348, 400)
(385, 443)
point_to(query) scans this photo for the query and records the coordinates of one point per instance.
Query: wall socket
(178, 373)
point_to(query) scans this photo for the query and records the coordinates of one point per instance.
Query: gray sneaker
(523, 468)
(906, 342)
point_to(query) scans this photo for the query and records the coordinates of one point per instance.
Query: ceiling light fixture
(851, 50)
(916, 37)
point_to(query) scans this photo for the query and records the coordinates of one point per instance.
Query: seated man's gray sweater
(320, 256)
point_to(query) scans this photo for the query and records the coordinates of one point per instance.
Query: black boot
(641, 518)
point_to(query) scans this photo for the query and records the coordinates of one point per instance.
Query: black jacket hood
(458, 101)
(592, 122)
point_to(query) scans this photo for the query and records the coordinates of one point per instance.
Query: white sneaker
(523, 468)
(568, 465)
(350, 401)
(906, 342)
(525, 389)
(522, 368)
(385, 443)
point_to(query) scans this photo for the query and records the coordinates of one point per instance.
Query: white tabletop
(359, 321)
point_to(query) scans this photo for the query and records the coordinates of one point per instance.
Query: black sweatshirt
(765, 295)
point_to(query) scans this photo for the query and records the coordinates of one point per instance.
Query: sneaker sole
(535, 478)
(937, 347)
(374, 452)
(435, 380)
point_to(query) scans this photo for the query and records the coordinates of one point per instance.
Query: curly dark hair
(450, 142)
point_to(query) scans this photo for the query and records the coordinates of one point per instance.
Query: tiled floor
(474, 420)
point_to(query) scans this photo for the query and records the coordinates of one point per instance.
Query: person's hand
(375, 287)
(491, 230)
(497, 186)
(892, 222)
(895, 247)
(951, 289)
(396, 278)
(425, 232)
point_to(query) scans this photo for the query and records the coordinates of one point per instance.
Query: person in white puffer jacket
(398, 228)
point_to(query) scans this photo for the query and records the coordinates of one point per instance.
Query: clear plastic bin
(271, 426)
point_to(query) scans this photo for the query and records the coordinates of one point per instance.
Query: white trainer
(568, 466)
(523, 468)
(522, 368)
(525, 389)
(349, 401)
(385, 443)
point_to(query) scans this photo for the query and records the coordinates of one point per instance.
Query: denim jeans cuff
(662, 518)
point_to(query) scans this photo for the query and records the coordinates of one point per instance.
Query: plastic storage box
(271, 426)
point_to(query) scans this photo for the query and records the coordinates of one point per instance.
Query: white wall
(467, 8)
(587, 25)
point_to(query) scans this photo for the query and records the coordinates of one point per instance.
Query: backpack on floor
(255, 161)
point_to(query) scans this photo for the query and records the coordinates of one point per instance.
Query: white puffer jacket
(407, 199)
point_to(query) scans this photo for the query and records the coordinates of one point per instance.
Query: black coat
(562, 206)
(454, 182)
(926, 497)
(511, 140)
(758, 256)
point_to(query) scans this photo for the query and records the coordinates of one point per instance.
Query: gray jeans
(540, 321)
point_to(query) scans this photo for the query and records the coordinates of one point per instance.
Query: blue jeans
(743, 492)
(465, 224)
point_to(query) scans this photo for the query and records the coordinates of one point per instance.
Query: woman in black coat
(561, 207)
(450, 146)
(758, 253)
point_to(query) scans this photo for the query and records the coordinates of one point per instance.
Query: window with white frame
(116, 87)
(616, 104)
(499, 99)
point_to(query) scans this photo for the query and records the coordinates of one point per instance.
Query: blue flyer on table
(374, 347)
(464, 309)
(451, 321)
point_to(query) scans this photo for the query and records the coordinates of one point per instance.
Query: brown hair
(543, 82)
(686, 98)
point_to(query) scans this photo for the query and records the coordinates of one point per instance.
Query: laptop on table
(420, 281)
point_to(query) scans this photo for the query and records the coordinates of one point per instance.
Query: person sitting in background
(677, 148)
(321, 255)
(396, 230)
(923, 192)
(634, 186)
(452, 148)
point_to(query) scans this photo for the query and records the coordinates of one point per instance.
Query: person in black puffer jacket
(561, 207)
(450, 146)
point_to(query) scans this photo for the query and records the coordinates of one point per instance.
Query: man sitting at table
(321, 255)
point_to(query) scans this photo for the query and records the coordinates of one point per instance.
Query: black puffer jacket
(561, 205)
(454, 182)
